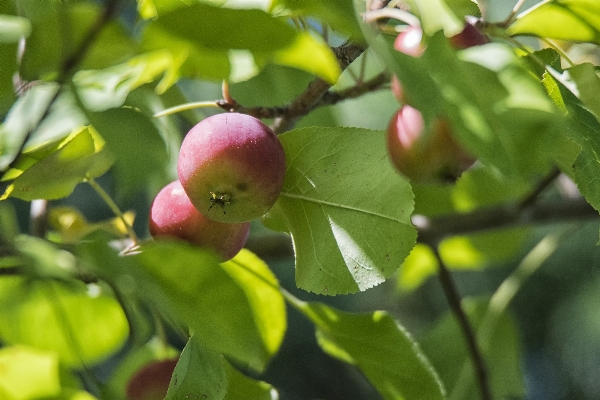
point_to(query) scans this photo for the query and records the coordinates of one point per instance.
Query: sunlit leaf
(28, 373)
(80, 328)
(573, 20)
(13, 28)
(241, 387)
(346, 208)
(380, 348)
(78, 157)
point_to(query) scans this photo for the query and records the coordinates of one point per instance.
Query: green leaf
(76, 158)
(133, 138)
(13, 28)
(346, 208)
(572, 20)
(241, 387)
(223, 29)
(81, 327)
(445, 347)
(339, 14)
(28, 373)
(48, 46)
(200, 372)
(187, 284)
(262, 291)
(380, 348)
(437, 15)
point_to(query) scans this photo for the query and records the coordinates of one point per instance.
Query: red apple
(232, 167)
(470, 36)
(424, 156)
(172, 214)
(152, 381)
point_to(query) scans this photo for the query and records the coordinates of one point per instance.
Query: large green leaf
(78, 157)
(200, 372)
(28, 373)
(188, 285)
(380, 348)
(346, 208)
(82, 328)
(573, 20)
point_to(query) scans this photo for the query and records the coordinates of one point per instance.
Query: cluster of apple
(420, 155)
(231, 168)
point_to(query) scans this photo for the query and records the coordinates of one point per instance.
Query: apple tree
(394, 174)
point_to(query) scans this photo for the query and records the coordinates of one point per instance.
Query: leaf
(339, 14)
(445, 347)
(263, 294)
(379, 347)
(437, 15)
(200, 373)
(28, 373)
(241, 387)
(346, 208)
(78, 157)
(13, 28)
(82, 329)
(133, 138)
(572, 20)
(48, 46)
(187, 284)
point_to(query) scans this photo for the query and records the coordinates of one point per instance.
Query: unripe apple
(152, 381)
(172, 214)
(424, 156)
(232, 167)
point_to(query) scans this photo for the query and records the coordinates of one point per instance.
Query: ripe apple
(152, 381)
(470, 36)
(424, 156)
(172, 214)
(232, 167)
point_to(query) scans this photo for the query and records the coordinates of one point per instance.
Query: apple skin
(152, 381)
(470, 36)
(172, 214)
(232, 155)
(421, 156)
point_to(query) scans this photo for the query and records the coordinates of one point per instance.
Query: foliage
(100, 94)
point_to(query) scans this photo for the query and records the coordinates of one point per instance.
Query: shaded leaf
(241, 387)
(346, 208)
(380, 348)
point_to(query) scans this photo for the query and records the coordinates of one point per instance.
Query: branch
(454, 301)
(286, 116)
(432, 230)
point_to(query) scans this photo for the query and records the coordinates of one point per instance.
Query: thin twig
(539, 188)
(454, 301)
(513, 13)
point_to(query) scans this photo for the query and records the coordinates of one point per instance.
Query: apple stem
(185, 107)
(114, 208)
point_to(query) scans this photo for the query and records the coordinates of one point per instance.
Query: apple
(232, 167)
(172, 214)
(152, 381)
(424, 156)
(470, 36)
